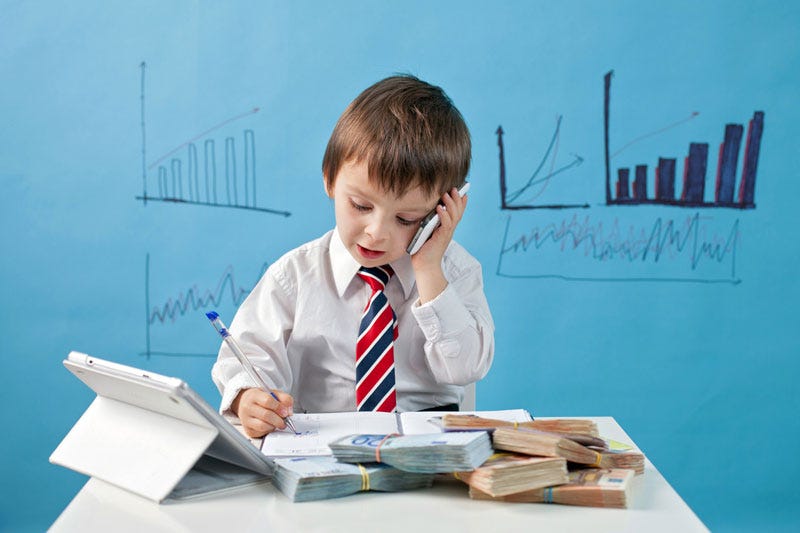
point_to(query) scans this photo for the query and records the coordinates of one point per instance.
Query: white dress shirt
(299, 326)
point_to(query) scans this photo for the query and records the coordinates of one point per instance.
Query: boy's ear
(328, 189)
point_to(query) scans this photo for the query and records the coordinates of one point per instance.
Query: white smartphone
(428, 224)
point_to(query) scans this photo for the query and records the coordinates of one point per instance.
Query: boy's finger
(449, 198)
(285, 399)
(454, 203)
(445, 216)
(283, 405)
(260, 416)
(255, 427)
(265, 400)
(273, 419)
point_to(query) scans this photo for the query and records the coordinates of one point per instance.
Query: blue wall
(675, 319)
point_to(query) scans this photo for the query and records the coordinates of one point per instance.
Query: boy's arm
(458, 325)
(260, 327)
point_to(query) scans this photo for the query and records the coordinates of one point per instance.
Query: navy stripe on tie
(375, 309)
(372, 355)
(379, 273)
(377, 395)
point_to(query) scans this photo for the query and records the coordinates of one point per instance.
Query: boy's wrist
(235, 403)
(430, 284)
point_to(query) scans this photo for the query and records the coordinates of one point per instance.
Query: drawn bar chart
(695, 169)
(183, 176)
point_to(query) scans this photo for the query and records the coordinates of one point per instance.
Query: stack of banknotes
(556, 461)
(589, 487)
(508, 473)
(428, 453)
(461, 422)
(318, 478)
(573, 448)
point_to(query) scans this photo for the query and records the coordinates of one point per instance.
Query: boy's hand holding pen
(252, 400)
(259, 412)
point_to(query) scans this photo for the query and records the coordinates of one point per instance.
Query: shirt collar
(344, 267)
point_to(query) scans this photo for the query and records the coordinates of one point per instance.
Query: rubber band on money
(455, 474)
(364, 477)
(598, 460)
(548, 495)
(378, 447)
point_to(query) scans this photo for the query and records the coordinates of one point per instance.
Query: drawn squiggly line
(663, 238)
(195, 299)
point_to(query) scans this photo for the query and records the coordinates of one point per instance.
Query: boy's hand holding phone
(427, 260)
(260, 413)
(429, 224)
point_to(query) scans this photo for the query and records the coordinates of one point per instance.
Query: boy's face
(375, 225)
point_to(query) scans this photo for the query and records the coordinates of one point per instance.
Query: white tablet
(169, 422)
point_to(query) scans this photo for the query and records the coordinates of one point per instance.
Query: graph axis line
(211, 204)
(735, 281)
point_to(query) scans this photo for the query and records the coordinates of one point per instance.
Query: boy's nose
(376, 228)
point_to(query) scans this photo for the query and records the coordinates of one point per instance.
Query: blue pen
(248, 366)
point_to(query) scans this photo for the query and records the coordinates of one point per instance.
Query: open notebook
(315, 431)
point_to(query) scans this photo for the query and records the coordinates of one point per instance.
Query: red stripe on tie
(375, 330)
(389, 403)
(375, 374)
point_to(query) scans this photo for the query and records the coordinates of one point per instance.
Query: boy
(399, 149)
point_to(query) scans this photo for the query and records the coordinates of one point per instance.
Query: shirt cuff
(443, 316)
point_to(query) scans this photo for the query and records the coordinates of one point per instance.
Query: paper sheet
(315, 431)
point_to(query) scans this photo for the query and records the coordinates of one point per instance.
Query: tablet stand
(143, 451)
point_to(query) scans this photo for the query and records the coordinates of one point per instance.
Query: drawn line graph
(189, 300)
(688, 251)
(181, 180)
(693, 115)
(186, 144)
(511, 200)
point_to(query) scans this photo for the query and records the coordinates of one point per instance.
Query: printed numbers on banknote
(371, 441)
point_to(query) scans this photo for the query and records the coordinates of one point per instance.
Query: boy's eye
(359, 207)
(405, 222)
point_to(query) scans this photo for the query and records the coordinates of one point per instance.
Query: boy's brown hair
(408, 131)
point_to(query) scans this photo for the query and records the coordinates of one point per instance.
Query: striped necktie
(375, 386)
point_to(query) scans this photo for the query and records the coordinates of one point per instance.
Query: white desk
(445, 507)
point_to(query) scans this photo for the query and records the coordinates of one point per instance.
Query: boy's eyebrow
(357, 191)
(417, 209)
(424, 210)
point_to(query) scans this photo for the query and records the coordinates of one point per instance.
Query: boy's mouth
(369, 254)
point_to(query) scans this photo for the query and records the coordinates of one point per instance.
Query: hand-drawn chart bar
(695, 166)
